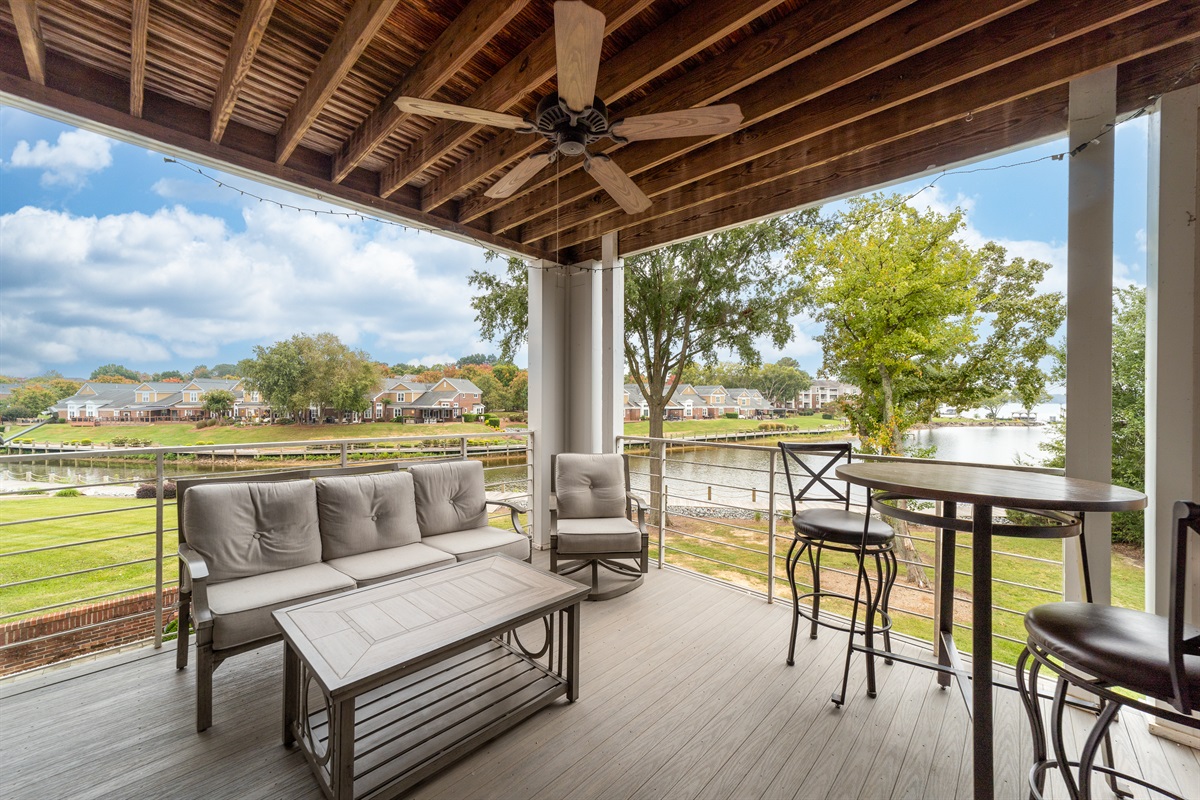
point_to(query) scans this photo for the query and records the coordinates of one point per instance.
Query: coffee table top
(415, 620)
(993, 486)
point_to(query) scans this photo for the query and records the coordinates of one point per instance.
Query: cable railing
(88, 535)
(727, 516)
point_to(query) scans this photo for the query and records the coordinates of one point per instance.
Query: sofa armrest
(641, 509)
(193, 579)
(514, 510)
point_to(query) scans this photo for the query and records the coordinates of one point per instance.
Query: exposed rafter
(365, 19)
(469, 31)
(29, 32)
(139, 30)
(246, 39)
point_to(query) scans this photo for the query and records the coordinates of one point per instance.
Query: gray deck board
(684, 694)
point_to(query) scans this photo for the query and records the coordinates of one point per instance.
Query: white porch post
(1093, 101)
(576, 358)
(1172, 335)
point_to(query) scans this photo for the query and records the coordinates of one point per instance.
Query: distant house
(700, 402)
(823, 392)
(405, 398)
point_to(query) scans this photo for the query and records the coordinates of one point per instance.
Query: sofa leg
(182, 640)
(204, 673)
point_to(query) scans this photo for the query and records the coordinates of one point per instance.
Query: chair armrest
(194, 578)
(514, 510)
(641, 509)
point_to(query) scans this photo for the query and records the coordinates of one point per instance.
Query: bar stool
(840, 530)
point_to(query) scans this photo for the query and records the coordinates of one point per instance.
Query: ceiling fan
(574, 117)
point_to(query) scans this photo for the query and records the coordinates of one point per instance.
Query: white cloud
(178, 286)
(69, 161)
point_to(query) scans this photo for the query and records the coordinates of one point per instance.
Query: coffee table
(385, 685)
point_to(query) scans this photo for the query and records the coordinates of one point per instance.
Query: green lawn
(184, 434)
(27, 535)
(692, 427)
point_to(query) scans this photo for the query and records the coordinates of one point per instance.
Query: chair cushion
(598, 535)
(480, 542)
(1123, 646)
(450, 497)
(365, 513)
(242, 608)
(382, 565)
(589, 485)
(244, 529)
(840, 526)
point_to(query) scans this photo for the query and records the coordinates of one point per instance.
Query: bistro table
(1054, 507)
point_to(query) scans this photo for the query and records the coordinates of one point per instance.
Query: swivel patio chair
(840, 530)
(591, 521)
(1105, 650)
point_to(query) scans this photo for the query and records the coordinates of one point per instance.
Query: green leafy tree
(780, 382)
(306, 371)
(218, 402)
(475, 359)
(169, 376)
(28, 401)
(903, 303)
(115, 370)
(683, 303)
(276, 373)
(201, 371)
(224, 371)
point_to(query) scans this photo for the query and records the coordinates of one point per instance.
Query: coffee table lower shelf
(407, 730)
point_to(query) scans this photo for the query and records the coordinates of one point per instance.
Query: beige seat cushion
(394, 562)
(598, 535)
(480, 542)
(242, 608)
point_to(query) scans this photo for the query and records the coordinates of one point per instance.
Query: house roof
(836, 97)
(430, 399)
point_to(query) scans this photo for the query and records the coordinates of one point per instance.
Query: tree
(218, 402)
(683, 303)
(169, 376)
(902, 301)
(475, 359)
(224, 371)
(115, 370)
(781, 383)
(993, 402)
(311, 372)
(201, 371)
(112, 379)
(28, 401)
(276, 373)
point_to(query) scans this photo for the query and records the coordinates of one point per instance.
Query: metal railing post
(771, 530)
(462, 446)
(662, 518)
(345, 459)
(159, 493)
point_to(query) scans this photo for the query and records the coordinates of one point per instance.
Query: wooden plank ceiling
(837, 97)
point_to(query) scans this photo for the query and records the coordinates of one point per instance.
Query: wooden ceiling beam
(961, 74)
(632, 70)
(365, 19)
(252, 25)
(900, 35)
(804, 31)
(29, 33)
(1018, 122)
(139, 31)
(458, 43)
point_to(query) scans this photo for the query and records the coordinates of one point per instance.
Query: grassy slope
(714, 426)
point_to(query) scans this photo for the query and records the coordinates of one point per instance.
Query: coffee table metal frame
(1056, 506)
(380, 728)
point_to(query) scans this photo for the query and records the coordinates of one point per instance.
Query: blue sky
(109, 254)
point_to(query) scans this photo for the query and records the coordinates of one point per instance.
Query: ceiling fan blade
(578, 35)
(476, 116)
(707, 121)
(519, 175)
(614, 181)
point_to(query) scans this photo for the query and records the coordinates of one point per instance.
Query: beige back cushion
(589, 485)
(244, 529)
(450, 497)
(363, 513)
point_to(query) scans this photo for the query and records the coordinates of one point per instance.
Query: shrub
(493, 422)
(470, 417)
(57, 421)
(119, 441)
(85, 441)
(731, 415)
(68, 493)
(826, 415)
(148, 491)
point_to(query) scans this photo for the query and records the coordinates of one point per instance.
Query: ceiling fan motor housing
(569, 132)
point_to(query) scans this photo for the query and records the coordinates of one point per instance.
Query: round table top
(980, 485)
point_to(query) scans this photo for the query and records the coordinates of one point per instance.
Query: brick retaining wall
(114, 621)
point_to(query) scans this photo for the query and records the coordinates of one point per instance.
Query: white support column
(612, 384)
(1172, 349)
(547, 379)
(1093, 100)
(1172, 333)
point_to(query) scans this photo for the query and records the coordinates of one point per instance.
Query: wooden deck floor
(685, 694)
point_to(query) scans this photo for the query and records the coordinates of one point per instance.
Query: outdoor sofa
(251, 545)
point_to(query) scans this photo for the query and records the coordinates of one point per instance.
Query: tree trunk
(656, 409)
(914, 569)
